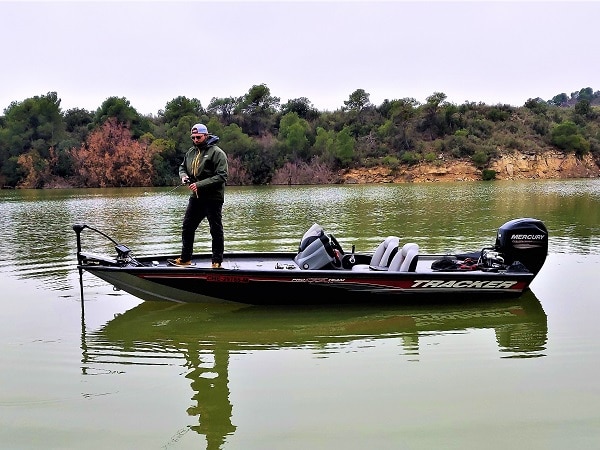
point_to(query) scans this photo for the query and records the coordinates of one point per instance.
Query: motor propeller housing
(524, 240)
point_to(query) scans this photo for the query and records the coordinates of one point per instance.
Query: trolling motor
(124, 255)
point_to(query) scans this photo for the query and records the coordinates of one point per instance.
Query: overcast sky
(151, 52)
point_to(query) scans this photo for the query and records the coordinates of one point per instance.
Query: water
(115, 372)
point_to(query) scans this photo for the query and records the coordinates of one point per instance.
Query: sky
(151, 52)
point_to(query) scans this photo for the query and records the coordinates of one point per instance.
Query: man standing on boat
(205, 170)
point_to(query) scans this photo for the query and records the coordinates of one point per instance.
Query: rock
(509, 166)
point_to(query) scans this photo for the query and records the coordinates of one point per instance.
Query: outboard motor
(314, 251)
(523, 240)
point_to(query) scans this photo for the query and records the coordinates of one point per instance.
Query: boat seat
(406, 259)
(382, 256)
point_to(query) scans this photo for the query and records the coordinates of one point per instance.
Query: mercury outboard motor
(525, 241)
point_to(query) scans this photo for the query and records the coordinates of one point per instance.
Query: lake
(96, 368)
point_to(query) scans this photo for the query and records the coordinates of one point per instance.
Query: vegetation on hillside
(271, 143)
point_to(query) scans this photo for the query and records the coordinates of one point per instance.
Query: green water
(115, 372)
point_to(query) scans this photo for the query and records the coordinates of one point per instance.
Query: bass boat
(321, 272)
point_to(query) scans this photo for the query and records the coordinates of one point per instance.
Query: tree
(223, 107)
(257, 109)
(360, 115)
(125, 115)
(536, 105)
(111, 158)
(344, 147)
(181, 107)
(559, 100)
(337, 149)
(301, 106)
(431, 120)
(259, 101)
(584, 111)
(165, 160)
(293, 133)
(35, 169)
(400, 113)
(250, 163)
(77, 122)
(566, 136)
(235, 142)
(357, 101)
(35, 124)
(77, 119)
(324, 142)
(586, 94)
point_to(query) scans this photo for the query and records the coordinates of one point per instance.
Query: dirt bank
(515, 166)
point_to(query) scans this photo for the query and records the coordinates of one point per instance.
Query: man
(205, 170)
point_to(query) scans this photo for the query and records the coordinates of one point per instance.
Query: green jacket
(207, 167)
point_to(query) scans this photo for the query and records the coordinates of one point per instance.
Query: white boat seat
(382, 256)
(406, 259)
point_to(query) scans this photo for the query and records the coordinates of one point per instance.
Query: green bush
(410, 158)
(480, 158)
(430, 157)
(488, 174)
(391, 161)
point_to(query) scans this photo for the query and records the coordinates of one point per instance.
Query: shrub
(488, 174)
(480, 158)
(430, 157)
(391, 161)
(410, 158)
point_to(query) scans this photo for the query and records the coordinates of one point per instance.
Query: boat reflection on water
(204, 337)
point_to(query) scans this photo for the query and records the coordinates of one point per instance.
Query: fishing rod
(187, 181)
(183, 183)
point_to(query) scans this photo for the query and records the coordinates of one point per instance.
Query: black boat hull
(284, 286)
(320, 272)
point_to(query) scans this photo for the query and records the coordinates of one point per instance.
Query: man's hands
(186, 180)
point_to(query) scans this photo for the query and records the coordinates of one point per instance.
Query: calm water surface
(114, 372)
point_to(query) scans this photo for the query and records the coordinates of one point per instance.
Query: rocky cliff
(510, 166)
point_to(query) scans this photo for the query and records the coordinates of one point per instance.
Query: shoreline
(514, 166)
